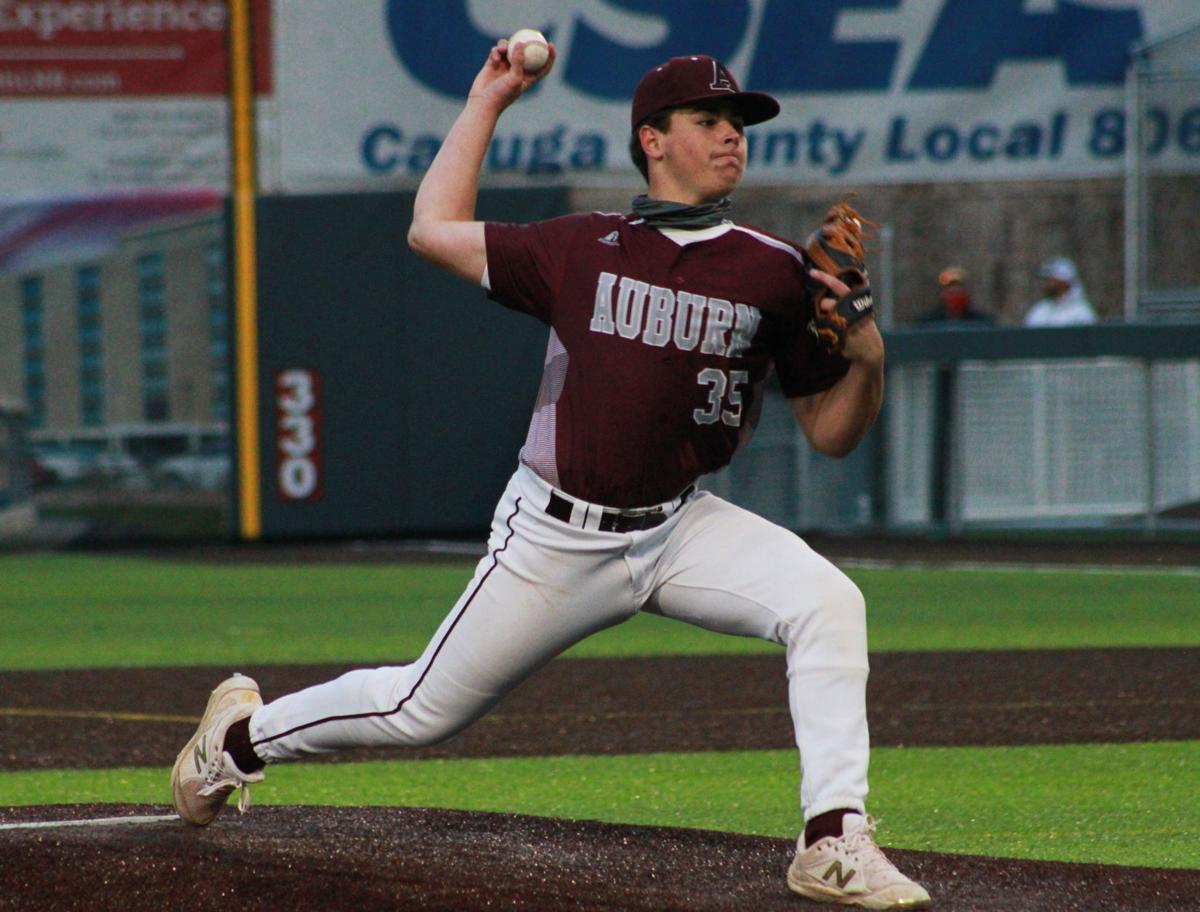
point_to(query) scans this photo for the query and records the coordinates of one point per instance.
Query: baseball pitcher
(663, 325)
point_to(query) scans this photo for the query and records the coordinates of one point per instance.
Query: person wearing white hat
(1064, 302)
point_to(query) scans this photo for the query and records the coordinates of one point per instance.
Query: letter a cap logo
(722, 81)
(695, 79)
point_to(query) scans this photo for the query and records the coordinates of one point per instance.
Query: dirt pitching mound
(308, 858)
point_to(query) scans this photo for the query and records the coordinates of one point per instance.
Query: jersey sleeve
(804, 367)
(525, 263)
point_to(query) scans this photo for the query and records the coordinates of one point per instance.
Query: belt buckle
(638, 520)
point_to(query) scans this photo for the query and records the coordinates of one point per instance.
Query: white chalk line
(1017, 567)
(93, 821)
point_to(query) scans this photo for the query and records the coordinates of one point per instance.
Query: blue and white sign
(872, 90)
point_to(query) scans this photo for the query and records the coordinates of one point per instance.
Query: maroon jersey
(657, 351)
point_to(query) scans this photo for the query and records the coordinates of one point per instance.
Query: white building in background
(120, 343)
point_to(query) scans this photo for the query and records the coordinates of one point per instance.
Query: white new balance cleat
(852, 870)
(205, 775)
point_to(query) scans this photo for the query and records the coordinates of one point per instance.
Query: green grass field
(71, 611)
(1119, 804)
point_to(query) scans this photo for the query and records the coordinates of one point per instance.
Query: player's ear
(651, 140)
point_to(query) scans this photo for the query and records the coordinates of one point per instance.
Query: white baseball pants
(544, 585)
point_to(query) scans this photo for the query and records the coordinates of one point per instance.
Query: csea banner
(871, 90)
(103, 94)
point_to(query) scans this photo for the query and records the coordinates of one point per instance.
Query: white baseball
(537, 51)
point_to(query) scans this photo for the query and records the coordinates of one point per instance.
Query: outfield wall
(394, 399)
(393, 396)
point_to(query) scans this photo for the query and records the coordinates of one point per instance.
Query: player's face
(703, 154)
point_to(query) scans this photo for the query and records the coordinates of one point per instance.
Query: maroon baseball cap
(695, 79)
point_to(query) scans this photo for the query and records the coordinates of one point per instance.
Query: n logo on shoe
(835, 871)
(200, 755)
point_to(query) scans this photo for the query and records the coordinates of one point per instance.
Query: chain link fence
(1087, 443)
(1083, 441)
(1162, 194)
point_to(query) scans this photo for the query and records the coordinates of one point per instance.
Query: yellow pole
(244, 190)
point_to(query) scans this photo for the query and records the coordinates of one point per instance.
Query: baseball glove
(837, 248)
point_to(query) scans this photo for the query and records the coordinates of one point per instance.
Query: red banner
(107, 48)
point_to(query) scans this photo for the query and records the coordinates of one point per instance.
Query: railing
(1088, 427)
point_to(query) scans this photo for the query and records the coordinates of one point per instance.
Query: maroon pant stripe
(399, 706)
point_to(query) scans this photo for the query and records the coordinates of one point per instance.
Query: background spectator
(1063, 302)
(954, 300)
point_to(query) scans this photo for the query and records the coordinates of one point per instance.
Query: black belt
(612, 520)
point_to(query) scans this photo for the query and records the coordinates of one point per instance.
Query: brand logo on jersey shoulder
(612, 239)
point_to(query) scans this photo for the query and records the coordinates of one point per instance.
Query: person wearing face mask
(955, 304)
